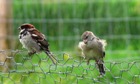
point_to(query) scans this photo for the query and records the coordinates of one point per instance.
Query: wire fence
(63, 22)
(39, 70)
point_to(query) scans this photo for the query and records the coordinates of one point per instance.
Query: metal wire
(39, 67)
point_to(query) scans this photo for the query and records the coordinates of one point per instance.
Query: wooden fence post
(4, 21)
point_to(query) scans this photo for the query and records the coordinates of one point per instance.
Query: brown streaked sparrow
(34, 41)
(93, 48)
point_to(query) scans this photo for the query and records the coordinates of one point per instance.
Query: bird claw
(31, 53)
(102, 74)
(88, 62)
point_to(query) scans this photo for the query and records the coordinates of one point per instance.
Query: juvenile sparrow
(34, 41)
(93, 48)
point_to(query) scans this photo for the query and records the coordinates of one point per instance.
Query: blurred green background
(63, 22)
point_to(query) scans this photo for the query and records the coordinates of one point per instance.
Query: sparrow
(34, 41)
(93, 48)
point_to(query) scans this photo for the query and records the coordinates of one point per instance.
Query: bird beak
(85, 41)
(19, 28)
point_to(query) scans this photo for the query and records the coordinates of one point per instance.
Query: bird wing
(100, 47)
(39, 38)
(37, 35)
(80, 49)
(43, 43)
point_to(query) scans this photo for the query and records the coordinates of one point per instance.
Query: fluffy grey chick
(93, 48)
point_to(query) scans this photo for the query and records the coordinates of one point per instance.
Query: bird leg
(31, 53)
(101, 67)
(88, 61)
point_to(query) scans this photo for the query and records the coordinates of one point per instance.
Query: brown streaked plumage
(34, 41)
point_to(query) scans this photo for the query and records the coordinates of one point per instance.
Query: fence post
(4, 15)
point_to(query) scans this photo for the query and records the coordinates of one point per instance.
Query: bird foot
(31, 53)
(102, 73)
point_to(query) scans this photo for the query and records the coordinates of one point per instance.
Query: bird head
(87, 36)
(26, 27)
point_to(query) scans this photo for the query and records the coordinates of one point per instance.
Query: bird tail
(101, 67)
(53, 59)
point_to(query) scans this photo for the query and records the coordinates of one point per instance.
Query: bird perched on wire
(93, 48)
(34, 41)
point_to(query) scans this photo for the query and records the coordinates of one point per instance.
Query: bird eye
(86, 37)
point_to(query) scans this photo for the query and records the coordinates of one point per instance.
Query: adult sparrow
(93, 48)
(34, 41)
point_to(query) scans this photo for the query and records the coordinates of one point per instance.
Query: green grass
(120, 69)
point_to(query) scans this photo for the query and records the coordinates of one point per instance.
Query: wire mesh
(38, 69)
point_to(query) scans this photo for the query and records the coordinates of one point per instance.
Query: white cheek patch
(34, 35)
